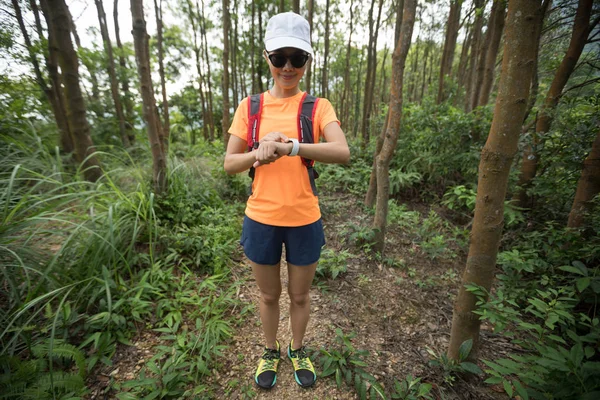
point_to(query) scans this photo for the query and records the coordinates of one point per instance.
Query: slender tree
(494, 168)
(91, 68)
(191, 12)
(345, 105)
(57, 15)
(308, 72)
(123, 77)
(452, 27)
(588, 186)
(393, 128)
(476, 39)
(226, 29)
(581, 30)
(114, 84)
(296, 6)
(53, 95)
(371, 71)
(166, 127)
(399, 10)
(211, 122)
(142, 57)
(495, 28)
(324, 83)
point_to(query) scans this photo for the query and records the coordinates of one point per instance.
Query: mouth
(287, 77)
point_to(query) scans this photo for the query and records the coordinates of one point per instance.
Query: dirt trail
(396, 312)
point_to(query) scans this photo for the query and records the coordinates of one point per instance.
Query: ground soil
(398, 309)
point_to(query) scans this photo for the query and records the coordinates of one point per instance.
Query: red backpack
(306, 116)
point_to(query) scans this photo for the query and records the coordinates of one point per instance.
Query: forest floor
(397, 313)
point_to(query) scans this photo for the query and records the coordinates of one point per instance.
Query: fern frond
(62, 350)
(60, 380)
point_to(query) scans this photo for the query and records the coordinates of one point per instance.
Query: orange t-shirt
(281, 192)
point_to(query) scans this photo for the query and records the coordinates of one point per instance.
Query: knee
(271, 297)
(299, 299)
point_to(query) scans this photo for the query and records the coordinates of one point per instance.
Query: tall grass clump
(86, 265)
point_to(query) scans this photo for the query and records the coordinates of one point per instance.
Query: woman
(283, 208)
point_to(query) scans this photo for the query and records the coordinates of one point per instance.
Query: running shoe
(266, 372)
(304, 372)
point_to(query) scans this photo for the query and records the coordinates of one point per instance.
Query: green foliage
(411, 389)
(85, 263)
(462, 198)
(46, 375)
(545, 304)
(333, 263)
(346, 364)
(451, 368)
(347, 178)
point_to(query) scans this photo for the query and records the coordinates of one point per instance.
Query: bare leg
(300, 278)
(269, 283)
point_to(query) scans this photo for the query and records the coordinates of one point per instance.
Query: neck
(281, 93)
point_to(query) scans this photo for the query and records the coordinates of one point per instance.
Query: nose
(288, 64)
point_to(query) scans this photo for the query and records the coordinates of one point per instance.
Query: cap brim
(287, 41)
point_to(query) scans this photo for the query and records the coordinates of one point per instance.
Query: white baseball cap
(288, 30)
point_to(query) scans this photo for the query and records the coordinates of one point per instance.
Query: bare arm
(334, 151)
(273, 146)
(236, 158)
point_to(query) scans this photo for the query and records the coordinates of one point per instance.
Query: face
(287, 76)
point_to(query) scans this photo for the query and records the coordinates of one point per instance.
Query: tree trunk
(471, 77)
(166, 127)
(535, 84)
(234, 40)
(345, 104)
(587, 187)
(382, 78)
(399, 10)
(425, 59)
(123, 77)
(208, 78)
(114, 85)
(142, 57)
(52, 95)
(324, 83)
(59, 38)
(581, 30)
(310, 24)
(464, 59)
(89, 66)
(494, 168)
(358, 96)
(226, 25)
(449, 47)
(297, 6)
(261, 64)
(495, 28)
(393, 128)
(371, 72)
(192, 16)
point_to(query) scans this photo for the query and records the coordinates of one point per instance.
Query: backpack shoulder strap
(306, 116)
(255, 105)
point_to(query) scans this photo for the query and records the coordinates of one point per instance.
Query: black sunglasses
(278, 60)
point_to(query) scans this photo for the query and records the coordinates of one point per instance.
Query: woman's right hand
(271, 151)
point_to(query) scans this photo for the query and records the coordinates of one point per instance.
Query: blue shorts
(263, 243)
